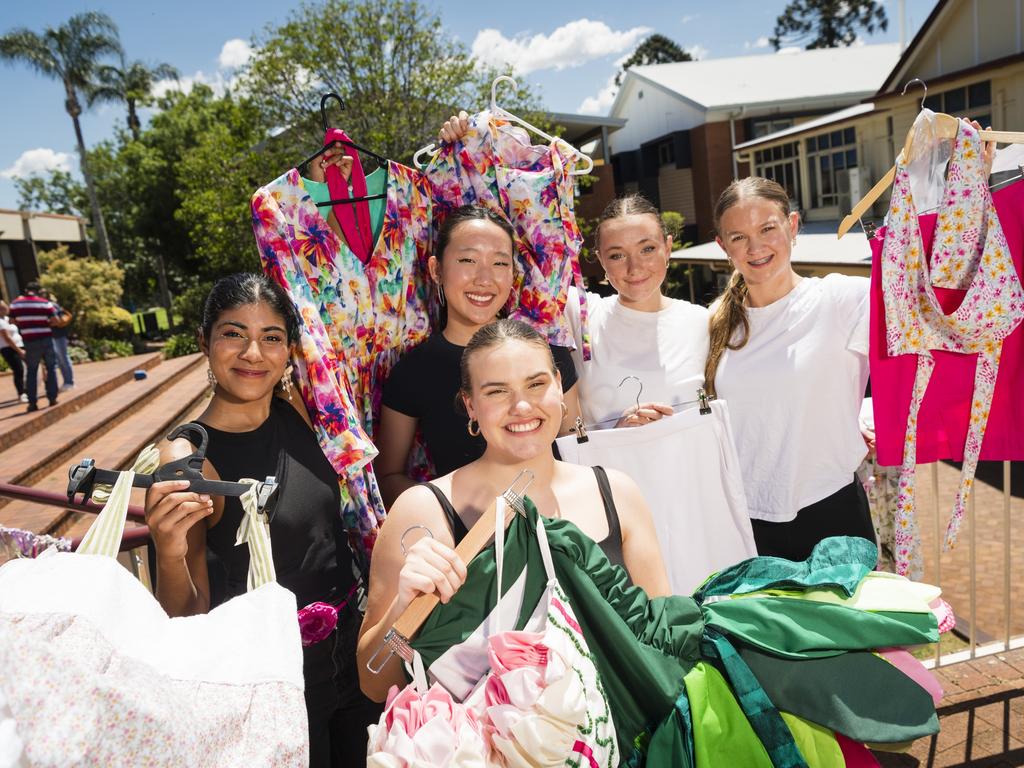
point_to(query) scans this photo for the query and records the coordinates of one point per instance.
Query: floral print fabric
(531, 186)
(357, 318)
(969, 252)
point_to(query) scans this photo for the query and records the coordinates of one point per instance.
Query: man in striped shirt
(32, 314)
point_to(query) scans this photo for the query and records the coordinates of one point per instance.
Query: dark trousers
(844, 513)
(13, 360)
(339, 713)
(36, 351)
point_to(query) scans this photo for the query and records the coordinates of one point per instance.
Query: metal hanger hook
(920, 82)
(323, 106)
(639, 392)
(494, 89)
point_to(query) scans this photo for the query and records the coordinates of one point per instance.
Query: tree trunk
(71, 105)
(165, 293)
(133, 120)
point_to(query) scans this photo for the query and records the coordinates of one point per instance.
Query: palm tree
(131, 83)
(70, 53)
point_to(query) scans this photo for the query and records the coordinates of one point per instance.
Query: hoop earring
(469, 428)
(211, 378)
(565, 410)
(440, 295)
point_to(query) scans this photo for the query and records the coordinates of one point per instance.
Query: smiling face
(248, 351)
(635, 253)
(516, 397)
(475, 272)
(757, 236)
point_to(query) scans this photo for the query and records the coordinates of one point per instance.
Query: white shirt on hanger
(794, 393)
(666, 350)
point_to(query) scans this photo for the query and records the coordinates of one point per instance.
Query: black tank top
(611, 545)
(311, 555)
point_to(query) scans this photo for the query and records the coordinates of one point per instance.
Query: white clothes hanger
(504, 114)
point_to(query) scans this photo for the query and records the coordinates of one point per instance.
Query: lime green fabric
(817, 745)
(806, 629)
(840, 561)
(721, 733)
(877, 592)
(808, 688)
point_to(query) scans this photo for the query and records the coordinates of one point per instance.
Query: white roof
(815, 244)
(790, 76)
(810, 125)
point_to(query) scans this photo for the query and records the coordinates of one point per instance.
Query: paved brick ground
(981, 717)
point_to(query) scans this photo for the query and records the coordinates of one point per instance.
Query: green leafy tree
(70, 53)
(656, 49)
(827, 23)
(54, 192)
(130, 83)
(90, 289)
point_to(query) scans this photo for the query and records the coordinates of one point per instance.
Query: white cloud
(34, 161)
(235, 53)
(602, 102)
(217, 81)
(571, 45)
(698, 51)
(689, 17)
(761, 42)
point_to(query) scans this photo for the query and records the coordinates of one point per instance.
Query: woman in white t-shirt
(638, 332)
(790, 356)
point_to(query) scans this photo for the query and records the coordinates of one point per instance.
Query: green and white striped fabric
(254, 530)
(104, 536)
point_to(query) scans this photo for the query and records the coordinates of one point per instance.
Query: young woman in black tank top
(512, 392)
(249, 327)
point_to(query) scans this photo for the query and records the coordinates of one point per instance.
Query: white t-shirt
(794, 393)
(666, 350)
(12, 329)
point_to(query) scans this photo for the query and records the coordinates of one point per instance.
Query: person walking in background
(32, 314)
(60, 326)
(12, 350)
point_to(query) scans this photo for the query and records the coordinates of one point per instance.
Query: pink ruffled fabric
(943, 614)
(316, 622)
(424, 731)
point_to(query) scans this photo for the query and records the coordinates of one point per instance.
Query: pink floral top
(357, 318)
(969, 252)
(531, 186)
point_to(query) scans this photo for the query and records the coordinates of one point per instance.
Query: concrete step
(92, 381)
(59, 443)
(116, 449)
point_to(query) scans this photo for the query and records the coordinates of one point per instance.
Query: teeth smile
(759, 262)
(529, 426)
(482, 299)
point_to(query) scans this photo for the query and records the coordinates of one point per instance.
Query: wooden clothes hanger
(946, 127)
(504, 114)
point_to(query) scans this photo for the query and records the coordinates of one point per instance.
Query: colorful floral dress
(495, 166)
(357, 318)
(969, 252)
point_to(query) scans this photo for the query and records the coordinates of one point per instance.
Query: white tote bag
(94, 672)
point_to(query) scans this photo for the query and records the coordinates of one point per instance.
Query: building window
(666, 153)
(828, 156)
(764, 127)
(972, 101)
(780, 164)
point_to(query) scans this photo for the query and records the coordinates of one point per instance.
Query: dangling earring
(440, 294)
(211, 378)
(469, 428)
(286, 382)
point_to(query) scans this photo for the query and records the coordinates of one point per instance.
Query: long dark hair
(243, 288)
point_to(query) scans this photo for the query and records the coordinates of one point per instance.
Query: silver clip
(580, 430)
(702, 398)
(265, 491)
(395, 645)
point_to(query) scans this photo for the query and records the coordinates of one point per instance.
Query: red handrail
(132, 537)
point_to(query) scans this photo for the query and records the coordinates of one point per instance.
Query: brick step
(92, 381)
(116, 449)
(76, 524)
(59, 443)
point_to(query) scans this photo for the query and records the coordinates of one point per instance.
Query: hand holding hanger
(454, 128)
(336, 156)
(644, 413)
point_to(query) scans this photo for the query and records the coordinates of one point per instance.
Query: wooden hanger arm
(478, 537)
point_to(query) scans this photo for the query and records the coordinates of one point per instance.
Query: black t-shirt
(424, 383)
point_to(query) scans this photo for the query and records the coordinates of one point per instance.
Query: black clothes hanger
(84, 476)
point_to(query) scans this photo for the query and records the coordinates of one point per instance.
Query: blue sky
(573, 49)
